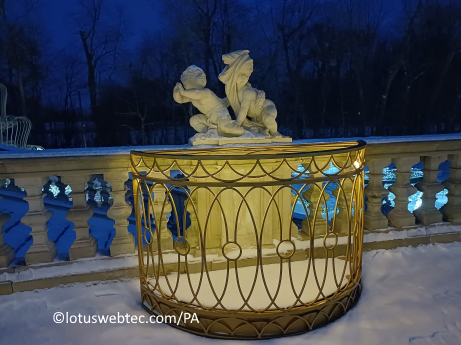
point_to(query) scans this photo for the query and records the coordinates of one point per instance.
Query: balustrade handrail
(257, 152)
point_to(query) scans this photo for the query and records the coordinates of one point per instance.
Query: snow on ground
(410, 296)
(210, 286)
(99, 263)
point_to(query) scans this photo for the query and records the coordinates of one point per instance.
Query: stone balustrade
(405, 155)
(32, 171)
(111, 167)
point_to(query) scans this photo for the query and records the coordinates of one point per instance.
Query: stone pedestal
(375, 192)
(452, 209)
(428, 213)
(85, 245)
(211, 137)
(42, 249)
(123, 241)
(400, 217)
(242, 215)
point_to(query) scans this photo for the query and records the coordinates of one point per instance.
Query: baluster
(192, 233)
(314, 196)
(428, 213)
(6, 251)
(344, 219)
(166, 238)
(400, 216)
(123, 242)
(285, 201)
(452, 209)
(85, 245)
(174, 223)
(375, 192)
(42, 249)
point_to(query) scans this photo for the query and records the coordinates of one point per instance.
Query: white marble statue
(214, 109)
(246, 101)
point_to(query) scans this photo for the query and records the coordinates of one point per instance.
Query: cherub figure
(214, 109)
(246, 101)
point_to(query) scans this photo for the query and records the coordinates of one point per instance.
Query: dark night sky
(145, 15)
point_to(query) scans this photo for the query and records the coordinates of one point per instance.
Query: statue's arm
(244, 105)
(197, 93)
(177, 94)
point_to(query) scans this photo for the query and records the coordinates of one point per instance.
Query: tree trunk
(438, 86)
(21, 93)
(92, 86)
(385, 95)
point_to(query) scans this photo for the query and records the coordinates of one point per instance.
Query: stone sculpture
(245, 100)
(214, 109)
(255, 114)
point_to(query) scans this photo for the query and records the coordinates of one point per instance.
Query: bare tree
(442, 22)
(362, 22)
(101, 31)
(21, 45)
(294, 28)
(67, 78)
(206, 29)
(412, 9)
(140, 110)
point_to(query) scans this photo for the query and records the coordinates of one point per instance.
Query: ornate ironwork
(235, 255)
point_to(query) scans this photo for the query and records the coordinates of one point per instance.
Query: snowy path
(411, 296)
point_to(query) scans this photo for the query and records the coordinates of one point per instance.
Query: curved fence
(236, 257)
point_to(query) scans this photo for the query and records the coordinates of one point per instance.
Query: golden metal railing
(239, 262)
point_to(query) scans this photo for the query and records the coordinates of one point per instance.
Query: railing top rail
(256, 152)
(438, 141)
(262, 165)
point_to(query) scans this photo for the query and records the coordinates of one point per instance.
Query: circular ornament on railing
(288, 253)
(181, 247)
(230, 249)
(327, 236)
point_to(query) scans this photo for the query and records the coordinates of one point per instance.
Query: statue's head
(244, 73)
(238, 70)
(193, 78)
